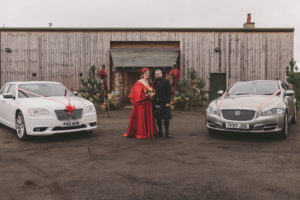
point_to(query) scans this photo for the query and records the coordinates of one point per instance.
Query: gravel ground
(190, 165)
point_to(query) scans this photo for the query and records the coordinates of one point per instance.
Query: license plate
(237, 125)
(68, 124)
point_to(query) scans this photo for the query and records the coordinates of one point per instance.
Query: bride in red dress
(141, 124)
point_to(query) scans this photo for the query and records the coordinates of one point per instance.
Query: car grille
(238, 115)
(63, 115)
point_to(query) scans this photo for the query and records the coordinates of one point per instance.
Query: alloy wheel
(20, 126)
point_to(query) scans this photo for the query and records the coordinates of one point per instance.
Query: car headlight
(211, 110)
(38, 112)
(272, 111)
(89, 109)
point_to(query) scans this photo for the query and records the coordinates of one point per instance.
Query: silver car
(253, 106)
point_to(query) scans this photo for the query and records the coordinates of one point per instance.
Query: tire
(285, 131)
(20, 127)
(294, 119)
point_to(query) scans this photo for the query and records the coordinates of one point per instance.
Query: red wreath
(175, 73)
(102, 73)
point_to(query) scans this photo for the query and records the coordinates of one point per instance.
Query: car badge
(237, 113)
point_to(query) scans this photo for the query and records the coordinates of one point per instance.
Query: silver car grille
(238, 115)
(63, 115)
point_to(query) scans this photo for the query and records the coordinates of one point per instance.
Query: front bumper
(260, 124)
(51, 125)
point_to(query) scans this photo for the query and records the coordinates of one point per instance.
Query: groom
(161, 104)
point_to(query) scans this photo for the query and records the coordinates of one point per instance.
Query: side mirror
(75, 93)
(220, 92)
(289, 93)
(8, 96)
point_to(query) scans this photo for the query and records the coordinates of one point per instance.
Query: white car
(39, 108)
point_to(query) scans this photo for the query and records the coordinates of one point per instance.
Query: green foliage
(293, 78)
(190, 91)
(192, 74)
(200, 83)
(92, 89)
(291, 75)
(184, 88)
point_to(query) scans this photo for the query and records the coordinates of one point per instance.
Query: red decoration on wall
(103, 76)
(102, 73)
(175, 73)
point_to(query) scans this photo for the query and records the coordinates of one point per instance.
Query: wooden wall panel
(63, 55)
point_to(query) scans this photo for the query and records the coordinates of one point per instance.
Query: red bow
(70, 109)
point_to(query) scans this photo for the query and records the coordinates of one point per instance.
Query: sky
(153, 13)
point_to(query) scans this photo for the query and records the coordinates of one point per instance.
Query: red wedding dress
(141, 124)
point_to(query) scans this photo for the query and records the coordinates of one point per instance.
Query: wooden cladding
(64, 55)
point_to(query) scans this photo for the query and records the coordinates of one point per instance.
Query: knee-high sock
(166, 123)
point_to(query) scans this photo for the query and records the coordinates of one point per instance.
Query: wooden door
(130, 78)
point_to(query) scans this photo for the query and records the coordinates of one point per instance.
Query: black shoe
(159, 135)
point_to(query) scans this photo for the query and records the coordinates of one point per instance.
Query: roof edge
(178, 29)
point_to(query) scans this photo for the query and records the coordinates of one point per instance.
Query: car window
(284, 86)
(12, 89)
(5, 89)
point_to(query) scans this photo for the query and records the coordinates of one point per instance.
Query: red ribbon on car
(268, 99)
(69, 108)
(221, 102)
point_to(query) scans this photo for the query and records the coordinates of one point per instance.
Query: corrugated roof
(141, 57)
(179, 29)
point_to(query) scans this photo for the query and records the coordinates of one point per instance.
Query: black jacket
(163, 90)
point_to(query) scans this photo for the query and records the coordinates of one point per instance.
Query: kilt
(160, 111)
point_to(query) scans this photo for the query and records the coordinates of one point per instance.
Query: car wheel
(20, 127)
(285, 131)
(294, 119)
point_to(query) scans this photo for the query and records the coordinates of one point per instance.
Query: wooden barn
(221, 56)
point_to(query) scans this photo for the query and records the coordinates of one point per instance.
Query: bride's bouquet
(149, 93)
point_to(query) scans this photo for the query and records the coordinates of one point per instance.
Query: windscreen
(254, 88)
(29, 90)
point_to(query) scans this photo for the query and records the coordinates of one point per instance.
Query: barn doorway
(217, 82)
(127, 58)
